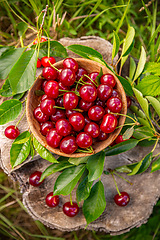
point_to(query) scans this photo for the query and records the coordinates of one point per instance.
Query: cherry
(115, 93)
(70, 100)
(63, 127)
(51, 89)
(60, 114)
(109, 123)
(68, 145)
(45, 127)
(87, 120)
(119, 139)
(39, 115)
(104, 92)
(59, 101)
(93, 76)
(58, 73)
(47, 106)
(11, 132)
(114, 104)
(52, 201)
(122, 200)
(80, 74)
(61, 86)
(45, 61)
(108, 79)
(70, 63)
(77, 121)
(53, 138)
(44, 96)
(84, 140)
(88, 93)
(70, 112)
(39, 63)
(129, 102)
(49, 73)
(96, 113)
(67, 77)
(102, 136)
(71, 210)
(34, 179)
(93, 129)
(36, 40)
(85, 106)
(107, 110)
(43, 84)
(100, 103)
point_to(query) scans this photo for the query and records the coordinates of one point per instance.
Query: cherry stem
(115, 184)
(62, 90)
(71, 199)
(122, 178)
(91, 80)
(155, 145)
(88, 150)
(54, 67)
(76, 109)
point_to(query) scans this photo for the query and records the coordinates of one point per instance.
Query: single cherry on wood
(11, 132)
(34, 179)
(52, 201)
(71, 210)
(122, 200)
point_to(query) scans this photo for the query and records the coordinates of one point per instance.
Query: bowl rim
(41, 138)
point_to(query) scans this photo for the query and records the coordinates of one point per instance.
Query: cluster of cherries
(74, 111)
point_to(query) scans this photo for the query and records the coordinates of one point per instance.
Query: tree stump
(115, 220)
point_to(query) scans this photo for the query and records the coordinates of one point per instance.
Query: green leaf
(152, 67)
(121, 147)
(22, 28)
(4, 49)
(116, 44)
(147, 142)
(83, 189)
(95, 166)
(146, 161)
(132, 68)
(141, 63)
(39, 92)
(123, 169)
(22, 75)
(129, 50)
(10, 110)
(126, 85)
(150, 85)
(156, 165)
(84, 51)
(135, 168)
(19, 152)
(8, 60)
(143, 132)
(77, 161)
(43, 152)
(155, 104)
(95, 204)
(97, 80)
(142, 101)
(138, 111)
(56, 49)
(144, 122)
(128, 133)
(6, 90)
(32, 151)
(68, 180)
(55, 167)
(23, 140)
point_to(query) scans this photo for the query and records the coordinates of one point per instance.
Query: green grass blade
(6, 196)
(23, 15)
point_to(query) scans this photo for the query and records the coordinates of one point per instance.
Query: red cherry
(45, 61)
(49, 73)
(60, 114)
(77, 121)
(51, 89)
(80, 74)
(71, 210)
(70, 63)
(39, 63)
(43, 84)
(100, 103)
(70, 100)
(88, 93)
(61, 86)
(129, 102)
(47, 106)
(63, 127)
(107, 110)
(102, 136)
(11, 132)
(85, 106)
(93, 76)
(115, 93)
(87, 120)
(96, 113)
(67, 77)
(114, 104)
(70, 112)
(122, 200)
(34, 179)
(108, 79)
(68, 145)
(109, 123)
(44, 96)
(59, 101)
(93, 129)
(104, 92)
(41, 40)
(119, 139)
(84, 140)
(39, 115)
(53, 138)
(58, 73)
(45, 127)
(52, 201)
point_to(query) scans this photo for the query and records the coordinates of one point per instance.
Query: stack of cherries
(75, 110)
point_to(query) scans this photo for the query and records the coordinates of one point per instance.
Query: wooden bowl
(33, 101)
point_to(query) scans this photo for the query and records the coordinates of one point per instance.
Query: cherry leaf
(142, 101)
(83, 189)
(95, 204)
(155, 103)
(141, 63)
(116, 44)
(156, 165)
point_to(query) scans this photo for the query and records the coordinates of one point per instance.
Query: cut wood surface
(115, 220)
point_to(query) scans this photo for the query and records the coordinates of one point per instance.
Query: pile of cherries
(75, 111)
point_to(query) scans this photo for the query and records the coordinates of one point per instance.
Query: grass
(75, 19)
